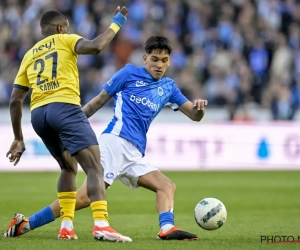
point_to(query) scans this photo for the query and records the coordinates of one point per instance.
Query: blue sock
(166, 218)
(41, 218)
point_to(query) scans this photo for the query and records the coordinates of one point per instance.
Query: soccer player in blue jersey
(139, 94)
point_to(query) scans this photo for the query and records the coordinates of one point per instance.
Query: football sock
(166, 221)
(41, 218)
(100, 214)
(67, 201)
(101, 223)
(68, 224)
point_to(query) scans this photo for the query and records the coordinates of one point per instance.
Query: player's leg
(110, 159)
(66, 184)
(66, 204)
(138, 172)
(57, 121)
(165, 191)
(22, 225)
(102, 230)
(162, 186)
(55, 116)
(135, 171)
(89, 160)
(80, 140)
(82, 201)
(83, 145)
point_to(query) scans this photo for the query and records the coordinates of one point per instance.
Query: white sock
(166, 228)
(68, 224)
(101, 223)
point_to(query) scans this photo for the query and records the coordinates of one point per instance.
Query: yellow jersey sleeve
(72, 40)
(21, 80)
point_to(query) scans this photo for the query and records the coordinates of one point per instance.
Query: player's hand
(15, 152)
(122, 10)
(199, 104)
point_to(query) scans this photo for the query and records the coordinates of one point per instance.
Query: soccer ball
(210, 214)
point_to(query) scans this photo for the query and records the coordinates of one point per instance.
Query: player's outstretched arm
(17, 147)
(96, 45)
(195, 110)
(96, 103)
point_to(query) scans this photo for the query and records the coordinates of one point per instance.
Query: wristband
(115, 27)
(119, 19)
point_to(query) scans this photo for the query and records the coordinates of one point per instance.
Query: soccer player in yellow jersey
(49, 69)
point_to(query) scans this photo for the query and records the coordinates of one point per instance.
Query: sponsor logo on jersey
(140, 83)
(144, 101)
(47, 45)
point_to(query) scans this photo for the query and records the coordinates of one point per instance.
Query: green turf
(258, 203)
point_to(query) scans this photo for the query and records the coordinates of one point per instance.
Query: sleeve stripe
(18, 86)
(107, 89)
(172, 105)
(77, 44)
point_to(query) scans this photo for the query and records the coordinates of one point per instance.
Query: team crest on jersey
(160, 91)
(110, 175)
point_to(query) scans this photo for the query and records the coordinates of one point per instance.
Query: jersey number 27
(42, 67)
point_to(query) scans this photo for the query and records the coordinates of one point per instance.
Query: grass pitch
(258, 204)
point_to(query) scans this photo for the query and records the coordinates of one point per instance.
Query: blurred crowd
(235, 53)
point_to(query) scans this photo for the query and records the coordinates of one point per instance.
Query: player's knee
(69, 168)
(173, 187)
(93, 168)
(67, 165)
(168, 187)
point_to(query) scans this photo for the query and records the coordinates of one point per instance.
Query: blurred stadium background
(241, 55)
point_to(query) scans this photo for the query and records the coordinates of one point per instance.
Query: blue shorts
(63, 127)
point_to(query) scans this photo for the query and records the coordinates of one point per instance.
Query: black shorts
(62, 127)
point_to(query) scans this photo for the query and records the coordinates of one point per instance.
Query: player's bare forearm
(15, 106)
(96, 103)
(96, 45)
(91, 108)
(16, 117)
(195, 110)
(101, 41)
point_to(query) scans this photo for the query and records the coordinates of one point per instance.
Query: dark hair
(158, 43)
(50, 17)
